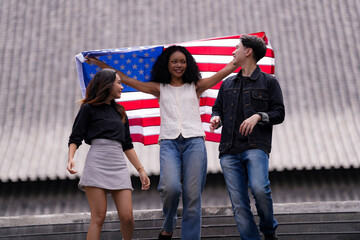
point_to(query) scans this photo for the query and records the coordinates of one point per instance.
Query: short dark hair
(160, 72)
(257, 44)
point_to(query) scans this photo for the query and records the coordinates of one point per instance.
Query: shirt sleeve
(127, 144)
(217, 107)
(80, 126)
(276, 113)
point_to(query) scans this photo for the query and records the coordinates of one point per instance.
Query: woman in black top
(103, 124)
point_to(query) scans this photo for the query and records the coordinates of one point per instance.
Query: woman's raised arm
(206, 83)
(146, 87)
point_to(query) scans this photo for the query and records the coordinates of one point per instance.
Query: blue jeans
(249, 168)
(183, 166)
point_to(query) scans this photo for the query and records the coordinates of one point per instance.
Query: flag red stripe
(207, 101)
(259, 34)
(205, 117)
(153, 139)
(214, 137)
(268, 68)
(146, 140)
(215, 67)
(153, 121)
(150, 103)
(212, 67)
(139, 104)
(209, 50)
(226, 37)
(145, 122)
(217, 86)
(270, 53)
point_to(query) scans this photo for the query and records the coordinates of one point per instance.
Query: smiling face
(177, 64)
(117, 88)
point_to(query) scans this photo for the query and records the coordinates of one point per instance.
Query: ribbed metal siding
(317, 64)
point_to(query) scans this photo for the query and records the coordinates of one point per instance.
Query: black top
(240, 143)
(100, 122)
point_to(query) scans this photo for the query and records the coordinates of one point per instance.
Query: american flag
(142, 109)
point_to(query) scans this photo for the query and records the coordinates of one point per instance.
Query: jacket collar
(253, 76)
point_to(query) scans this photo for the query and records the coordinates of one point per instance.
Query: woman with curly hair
(103, 124)
(177, 84)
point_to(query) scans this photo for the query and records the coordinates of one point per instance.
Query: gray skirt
(105, 167)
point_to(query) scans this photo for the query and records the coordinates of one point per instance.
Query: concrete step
(300, 221)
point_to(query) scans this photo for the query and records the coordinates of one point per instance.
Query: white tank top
(179, 112)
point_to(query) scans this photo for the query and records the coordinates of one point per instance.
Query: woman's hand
(91, 60)
(71, 165)
(133, 158)
(145, 181)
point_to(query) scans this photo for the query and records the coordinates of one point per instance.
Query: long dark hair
(98, 90)
(160, 72)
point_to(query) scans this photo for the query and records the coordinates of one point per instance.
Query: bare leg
(123, 202)
(97, 202)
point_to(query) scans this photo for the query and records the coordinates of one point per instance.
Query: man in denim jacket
(247, 106)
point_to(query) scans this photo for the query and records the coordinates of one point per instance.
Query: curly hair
(160, 72)
(98, 90)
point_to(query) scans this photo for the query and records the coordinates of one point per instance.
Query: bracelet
(139, 168)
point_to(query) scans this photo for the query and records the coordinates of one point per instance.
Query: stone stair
(300, 221)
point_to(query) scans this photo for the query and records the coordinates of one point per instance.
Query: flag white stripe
(131, 96)
(154, 130)
(143, 113)
(210, 93)
(206, 127)
(215, 43)
(223, 59)
(146, 131)
(209, 74)
(205, 110)
(212, 43)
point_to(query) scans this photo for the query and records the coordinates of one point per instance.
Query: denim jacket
(261, 94)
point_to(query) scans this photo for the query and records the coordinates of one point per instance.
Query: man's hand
(214, 123)
(248, 124)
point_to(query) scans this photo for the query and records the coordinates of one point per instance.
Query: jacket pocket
(228, 96)
(259, 100)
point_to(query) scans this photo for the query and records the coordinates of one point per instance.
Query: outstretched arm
(146, 87)
(206, 83)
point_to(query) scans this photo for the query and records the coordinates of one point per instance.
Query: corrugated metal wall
(317, 64)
